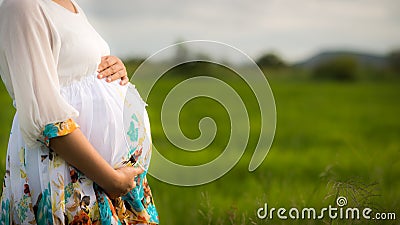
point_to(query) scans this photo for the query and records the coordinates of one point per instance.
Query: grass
(331, 139)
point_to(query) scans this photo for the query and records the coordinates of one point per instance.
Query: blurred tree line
(336, 66)
(394, 60)
(343, 68)
(339, 66)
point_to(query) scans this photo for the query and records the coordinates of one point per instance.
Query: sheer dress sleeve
(29, 70)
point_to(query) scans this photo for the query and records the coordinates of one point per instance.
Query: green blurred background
(334, 69)
(337, 133)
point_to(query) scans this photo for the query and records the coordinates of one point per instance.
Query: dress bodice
(44, 47)
(77, 47)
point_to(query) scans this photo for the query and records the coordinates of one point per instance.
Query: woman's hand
(75, 149)
(124, 181)
(112, 68)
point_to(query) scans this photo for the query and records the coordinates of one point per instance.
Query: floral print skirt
(41, 188)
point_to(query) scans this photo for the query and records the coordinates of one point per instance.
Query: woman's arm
(75, 149)
(26, 56)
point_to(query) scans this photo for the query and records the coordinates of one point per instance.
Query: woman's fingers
(124, 80)
(106, 62)
(112, 68)
(126, 181)
(113, 72)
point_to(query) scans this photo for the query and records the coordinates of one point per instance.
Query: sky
(293, 29)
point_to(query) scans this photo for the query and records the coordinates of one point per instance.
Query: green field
(331, 139)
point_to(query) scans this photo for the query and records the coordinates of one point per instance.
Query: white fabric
(43, 46)
(101, 109)
(105, 122)
(48, 62)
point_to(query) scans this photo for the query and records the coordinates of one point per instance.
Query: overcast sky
(295, 29)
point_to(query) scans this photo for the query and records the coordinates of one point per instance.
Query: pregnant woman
(72, 157)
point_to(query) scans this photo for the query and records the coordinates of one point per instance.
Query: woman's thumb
(136, 170)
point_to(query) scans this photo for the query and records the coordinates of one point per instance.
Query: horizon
(317, 54)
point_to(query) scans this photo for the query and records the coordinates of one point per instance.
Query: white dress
(48, 62)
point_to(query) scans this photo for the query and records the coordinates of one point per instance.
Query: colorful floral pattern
(5, 211)
(69, 197)
(58, 129)
(42, 209)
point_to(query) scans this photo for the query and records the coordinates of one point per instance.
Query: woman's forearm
(76, 150)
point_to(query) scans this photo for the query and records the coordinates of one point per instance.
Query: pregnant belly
(119, 132)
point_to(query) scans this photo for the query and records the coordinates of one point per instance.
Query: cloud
(295, 29)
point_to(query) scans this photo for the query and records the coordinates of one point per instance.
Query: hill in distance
(363, 59)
